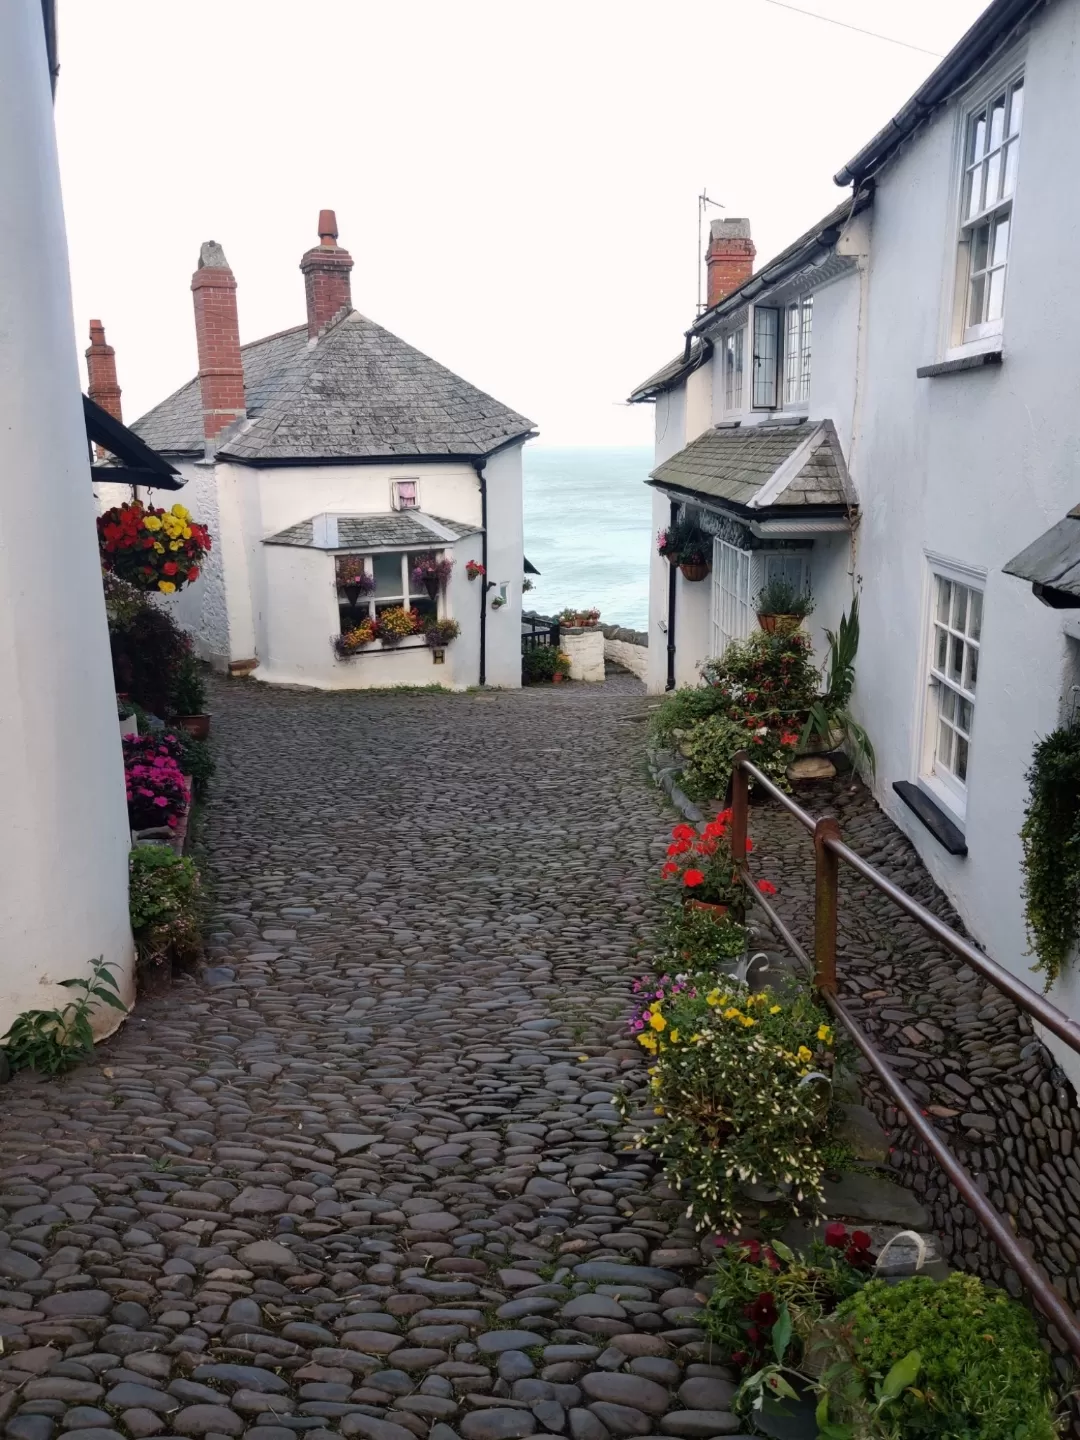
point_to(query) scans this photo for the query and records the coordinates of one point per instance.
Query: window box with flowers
(389, 600)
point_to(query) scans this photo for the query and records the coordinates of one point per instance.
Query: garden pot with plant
(189, 698)
(829, 722)
(439, 633)
(433, 574)
(704, 869)
(396, 624)
(781, 608)
(353, 579)
(685, 544)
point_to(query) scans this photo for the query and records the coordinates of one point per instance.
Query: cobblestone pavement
(964, 1049)
(362, 1176)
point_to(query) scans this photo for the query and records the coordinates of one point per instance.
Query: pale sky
(516, 181)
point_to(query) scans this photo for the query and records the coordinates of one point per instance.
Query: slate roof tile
(736, 465)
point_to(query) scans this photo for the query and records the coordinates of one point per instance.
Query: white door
(730, 595)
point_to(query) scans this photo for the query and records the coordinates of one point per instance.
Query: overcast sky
(516, 181)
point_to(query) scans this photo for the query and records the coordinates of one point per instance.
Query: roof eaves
(695, 354)
(970, 52)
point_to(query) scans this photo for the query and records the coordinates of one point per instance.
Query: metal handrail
(829, 851)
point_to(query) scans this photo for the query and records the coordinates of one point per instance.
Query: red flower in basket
(151, 548)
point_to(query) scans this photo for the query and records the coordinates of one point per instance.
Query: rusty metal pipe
(806, 821)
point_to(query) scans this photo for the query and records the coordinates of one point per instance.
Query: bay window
(388, 583)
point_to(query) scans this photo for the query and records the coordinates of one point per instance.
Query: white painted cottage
(337, 439)
(927, 325)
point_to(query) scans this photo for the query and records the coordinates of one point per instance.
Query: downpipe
(673, 571)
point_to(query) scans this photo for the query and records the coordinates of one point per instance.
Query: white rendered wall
(201, 608)
(699, 402)
(64, 839)
(973, 466)
(505, 566)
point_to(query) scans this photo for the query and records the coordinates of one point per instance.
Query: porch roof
(396, 530)
(763, 467)
(1052, 563)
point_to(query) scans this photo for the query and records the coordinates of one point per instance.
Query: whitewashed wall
(973, 466)
(506, 566)
(64, 838)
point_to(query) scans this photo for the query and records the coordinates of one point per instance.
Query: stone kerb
(628, 648)
(585, 647)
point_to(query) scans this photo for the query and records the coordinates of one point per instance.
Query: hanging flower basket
(473, 569)
(432, 574)
(150, 548)
(694, 569)
(353, 579)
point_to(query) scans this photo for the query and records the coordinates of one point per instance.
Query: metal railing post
(826, 884)
(740, 805)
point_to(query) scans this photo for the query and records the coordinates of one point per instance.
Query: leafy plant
(728, 1088)
(351, 574)
(188, 687)
(148, 648)
(830, 713)
(163, 900)
(440, 632)
(680, 710)
(192, 756)
(53, 1041)
(1051, 839)
(429, 567)
(396, 623)
(156, 791)
(151, 548)
(981, 1372)
(711, 747)
(780, 597)
(538, 663)
(696, 940)
(702, 866)
(685, 543)
(767, 678)
(584, 619)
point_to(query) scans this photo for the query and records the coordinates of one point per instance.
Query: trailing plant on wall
(52, 1041)
(1051, 839)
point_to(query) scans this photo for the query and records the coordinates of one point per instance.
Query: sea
(588, 530)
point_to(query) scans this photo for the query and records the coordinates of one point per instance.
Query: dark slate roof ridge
(671, 373)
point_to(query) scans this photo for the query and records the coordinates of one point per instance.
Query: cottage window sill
(963, 362)
(378, 648)
(944, 831)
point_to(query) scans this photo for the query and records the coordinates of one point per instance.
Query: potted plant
(579, 619)
(703, 867)
(433, 574)
(396, 624)
(188, 700)
(781, 608)
(152, 549)
(439, 633)
(157, 793)
(561, 670)
(350, 641)
(473, 569)
(353, 578)
(829, 721)
(685, 544)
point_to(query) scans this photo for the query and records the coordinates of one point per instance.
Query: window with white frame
(730, 595)
(781, 359)
(798, 322)
(953, 673)
(733, 370)
(991, 155)
(765, 357)
(370, 583)
(405, 494)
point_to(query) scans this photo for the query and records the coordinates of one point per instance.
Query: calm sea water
(588, 530)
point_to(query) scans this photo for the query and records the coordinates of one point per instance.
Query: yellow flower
(696, 1037)
(166, 587)
(774, 1009)
(674, 1036)
(187, 532)
(747, 1020)
(657, 1021)
(732, 1014)
(825, 1033)
(713, 997)
(175, 545)
(658, 1109)
(648, 1042)
(804, 1054)
(159, 547)
(180, 512)
(152, 522)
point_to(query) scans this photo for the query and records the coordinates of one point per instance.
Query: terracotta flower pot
(694, 572)
(558, 678)
(197, 726)
(779, 624)
(717, 910)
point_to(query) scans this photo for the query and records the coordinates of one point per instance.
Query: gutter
(970, 51)
(820, 247)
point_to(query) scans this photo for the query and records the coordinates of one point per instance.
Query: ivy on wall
(1051, 841)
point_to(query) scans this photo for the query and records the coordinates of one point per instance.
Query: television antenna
(703, 202)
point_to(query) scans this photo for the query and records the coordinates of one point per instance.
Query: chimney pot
(326, 276)
(729, 259)
(102, 385)
(217, 334)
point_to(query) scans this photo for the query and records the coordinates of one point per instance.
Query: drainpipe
(485, 583)
(673, 571)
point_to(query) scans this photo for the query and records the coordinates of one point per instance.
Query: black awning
(530, 568)
(1052, 564)
(138, 464)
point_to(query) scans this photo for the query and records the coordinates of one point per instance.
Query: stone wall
(628, 648)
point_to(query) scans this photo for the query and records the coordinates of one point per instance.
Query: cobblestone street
(361, 1177)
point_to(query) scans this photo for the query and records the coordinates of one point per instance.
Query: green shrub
(538, 664)
(1051, 840)
(53, 1041)
(163, 899)
(727, 1085)
(771, 678)
(974, 1367)
(147, 648)
(188, 696)
(711, 747)
(697, 940)
(680, 711)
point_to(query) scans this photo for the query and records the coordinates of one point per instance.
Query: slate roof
(670, 374)
(761, 467)
(356, 393)
(1052, 562)
(397, 530)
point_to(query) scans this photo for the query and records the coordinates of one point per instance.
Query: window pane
(942, 649)
(948, 703)
(1016, 109)
(956, 659)
(387, 576)
(975, 309)
(943, 594)
(1000, 251)
(807, 331)
(945, 746)
(975, 190)
(973, 668)
(1012, 150)
(961, 762)
(980, 248)
(992, 193)
(997, 122)
(959, 607)
(995, 305)
(978, 137)
(963, 716)
(975, 615)
(766, 337)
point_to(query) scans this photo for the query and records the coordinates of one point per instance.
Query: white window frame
(939, 780)
(734, 353)
(766, 331)
(407, 596)
(966, 337)
(395, 492)
(731, 607)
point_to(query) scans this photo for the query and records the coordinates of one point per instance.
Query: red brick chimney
(103, 387)
(217, 333)
(729, 258)
(326, 276)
